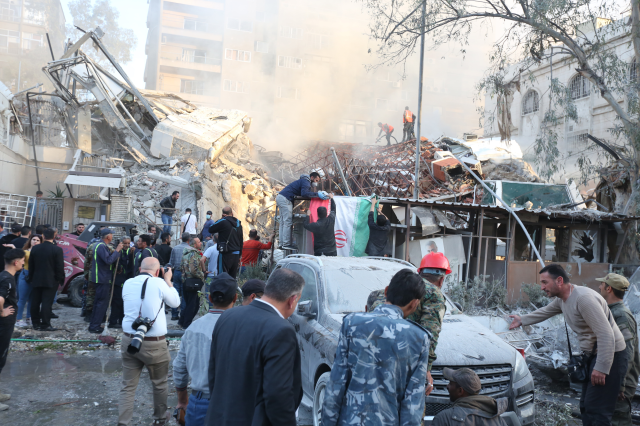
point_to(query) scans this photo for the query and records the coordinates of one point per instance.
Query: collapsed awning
(104, 180)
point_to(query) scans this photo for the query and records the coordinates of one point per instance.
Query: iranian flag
(351, 227)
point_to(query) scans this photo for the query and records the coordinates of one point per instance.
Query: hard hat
(435, 260)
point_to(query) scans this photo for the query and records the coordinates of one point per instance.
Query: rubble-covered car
(75, 249)
(336, 286)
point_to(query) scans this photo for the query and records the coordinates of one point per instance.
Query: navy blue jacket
(141, 255)
(101, 271)
(299, 188)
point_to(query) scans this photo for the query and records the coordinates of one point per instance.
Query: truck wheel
(75, 291)
(318, 398)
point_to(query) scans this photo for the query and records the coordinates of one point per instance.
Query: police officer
(101, 276)
(381, 362)
(612, 289)
(433, 269)
(88, 291)
(124, 271)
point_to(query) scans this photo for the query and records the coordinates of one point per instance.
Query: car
(337, 286)
(74, 249)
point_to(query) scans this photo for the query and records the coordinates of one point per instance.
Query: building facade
(300, 69)
(595, 115)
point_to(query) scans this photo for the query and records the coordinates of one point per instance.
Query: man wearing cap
(195, 349)
(469, 408)
(380, 369)
(601, 342)
(101, 276)
(251, 290)
(613, 288)
(433, 269)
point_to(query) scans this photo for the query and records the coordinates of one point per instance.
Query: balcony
(198, 63)
(186, 27)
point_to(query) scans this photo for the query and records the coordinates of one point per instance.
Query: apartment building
(300, 68)
(23, 43)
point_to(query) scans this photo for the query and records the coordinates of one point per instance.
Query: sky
(133, 15)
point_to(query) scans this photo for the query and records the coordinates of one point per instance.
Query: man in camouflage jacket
(380, 369)
(191, 268)
(612, 289)
(431, 310)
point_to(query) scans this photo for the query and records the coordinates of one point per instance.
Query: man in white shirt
(153, 352)
(209, 263)
(189, 222)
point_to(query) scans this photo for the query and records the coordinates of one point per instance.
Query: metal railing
(16, 208)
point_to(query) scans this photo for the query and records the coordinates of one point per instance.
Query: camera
(141, 325)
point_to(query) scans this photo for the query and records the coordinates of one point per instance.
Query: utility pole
(416, 191)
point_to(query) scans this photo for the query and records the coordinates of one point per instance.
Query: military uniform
(190, 268)
(628, 327)
(429, 314)
(380, 371)
(89, 291)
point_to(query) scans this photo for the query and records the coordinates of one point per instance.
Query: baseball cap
(224, 283)
(253, 286)
(106, 231)
(209, 212)
(616, 281)
(466, 378)
(16, 227)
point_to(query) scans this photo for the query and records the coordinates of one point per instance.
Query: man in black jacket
(8, 239)
(169, 204)
(229, 230)
(324, 235)
(46, 266)
(267, 389)
(378, 234)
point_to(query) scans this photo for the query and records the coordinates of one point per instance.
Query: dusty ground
(77, 383)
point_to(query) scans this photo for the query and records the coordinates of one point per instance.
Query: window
(577, 142)
(309, 291)
(319, 41)
(288, 93)
(530, 103)
(290, 32)
(194, 25)
(32, 41)
(347, 130)
(10, 11)
(633, 70)
(382, 104)
(289, 62)
(237, 55)
(197, 56)
(239, 25)
(8, 39)
(192, 87)
(235, 86)
(579, 87)
(261, 46)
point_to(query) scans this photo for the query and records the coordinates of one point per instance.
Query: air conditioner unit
(470, 137)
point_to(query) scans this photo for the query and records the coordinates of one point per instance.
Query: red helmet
(435, 260)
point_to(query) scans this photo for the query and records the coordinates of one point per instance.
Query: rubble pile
(513, 170)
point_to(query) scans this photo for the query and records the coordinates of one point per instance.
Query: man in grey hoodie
(469, 408)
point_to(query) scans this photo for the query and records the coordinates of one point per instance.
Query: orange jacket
(407, 117)
(387, 128)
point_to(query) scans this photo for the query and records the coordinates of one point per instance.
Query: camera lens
(136, 341)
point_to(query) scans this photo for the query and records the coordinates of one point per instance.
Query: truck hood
(464, 341)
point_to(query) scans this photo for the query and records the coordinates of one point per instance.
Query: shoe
(20, 324)
(175, 318)
(54, 316)
(4, 407)
(37, 327)
(56, 306)
(115, 326)
(4, 397)
(96, 331)
(49, 328)
(28, 321)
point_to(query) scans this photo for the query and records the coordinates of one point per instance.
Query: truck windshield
(348, 288)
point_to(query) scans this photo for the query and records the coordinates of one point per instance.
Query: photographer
(152, 351)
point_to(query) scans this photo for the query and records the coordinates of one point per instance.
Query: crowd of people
(381, 373)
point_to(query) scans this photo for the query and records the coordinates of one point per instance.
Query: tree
(580, 30)
(89, 15)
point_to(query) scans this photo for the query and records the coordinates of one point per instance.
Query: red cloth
(313, 209)
(251, 250)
